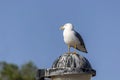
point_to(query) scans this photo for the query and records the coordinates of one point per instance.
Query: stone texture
(68, 64)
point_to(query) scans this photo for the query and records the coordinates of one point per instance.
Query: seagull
(73, 38)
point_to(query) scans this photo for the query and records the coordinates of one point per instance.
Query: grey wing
(80, 38)
(81, 41)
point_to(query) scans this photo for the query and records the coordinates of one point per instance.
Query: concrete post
(73, 77)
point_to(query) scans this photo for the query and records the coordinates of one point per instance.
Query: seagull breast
(69, 38)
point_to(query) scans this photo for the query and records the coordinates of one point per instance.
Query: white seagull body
(73, 38)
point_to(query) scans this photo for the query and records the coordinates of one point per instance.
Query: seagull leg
(69, 49)
(75, 46)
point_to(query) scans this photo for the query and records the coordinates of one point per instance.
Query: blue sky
(29, 31)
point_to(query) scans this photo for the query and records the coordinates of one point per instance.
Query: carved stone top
(71, 60)
(67, 64)
(70, 63)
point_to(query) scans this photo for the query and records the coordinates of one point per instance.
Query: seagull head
(67, 26)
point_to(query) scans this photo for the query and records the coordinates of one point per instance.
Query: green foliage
(13, 72)
(28, 70)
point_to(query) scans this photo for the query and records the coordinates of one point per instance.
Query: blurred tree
(13, 72)
(10, 71)
(28, 71)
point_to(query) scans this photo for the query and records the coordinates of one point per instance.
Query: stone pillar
(73, 77)
(68, 67)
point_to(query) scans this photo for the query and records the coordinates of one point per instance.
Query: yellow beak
(62, 28)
